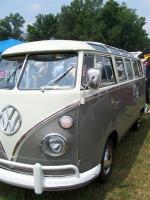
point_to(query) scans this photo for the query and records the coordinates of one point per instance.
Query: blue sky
(30, 8)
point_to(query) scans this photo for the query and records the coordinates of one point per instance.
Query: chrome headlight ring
(54, 145)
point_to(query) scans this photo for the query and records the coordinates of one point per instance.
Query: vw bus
(64, 106)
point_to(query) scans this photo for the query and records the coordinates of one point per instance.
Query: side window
(105, 65)
(102, 63)
(120, 69)
(129, 69)
(88, 63)
(140, 67)
(135, 67)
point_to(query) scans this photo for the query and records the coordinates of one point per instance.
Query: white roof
(136, 53)
(48, 45)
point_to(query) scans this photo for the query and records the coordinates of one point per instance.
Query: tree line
(90, 20)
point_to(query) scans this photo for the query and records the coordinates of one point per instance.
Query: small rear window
(135, 67)
(140, 68)
(120, 69)
(129, 69)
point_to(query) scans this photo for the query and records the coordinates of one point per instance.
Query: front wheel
(107, 161)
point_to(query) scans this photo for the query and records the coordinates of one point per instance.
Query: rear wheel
(137, 124)
(107, 161)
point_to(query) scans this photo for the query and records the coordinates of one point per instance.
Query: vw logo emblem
(10, 120)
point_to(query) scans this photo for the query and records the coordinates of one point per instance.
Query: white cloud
(34, 7)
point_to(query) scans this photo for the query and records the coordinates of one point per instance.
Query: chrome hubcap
(107, 159)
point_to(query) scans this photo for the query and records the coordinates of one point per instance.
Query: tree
(80, 21)
(11, 26)
(111, 23)
(123, 27)
(5, 29)
(43, 28)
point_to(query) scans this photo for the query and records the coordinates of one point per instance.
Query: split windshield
(9, 71)
(50, 71)
(53, 71)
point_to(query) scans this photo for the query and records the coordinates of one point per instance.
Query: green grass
(130, 179)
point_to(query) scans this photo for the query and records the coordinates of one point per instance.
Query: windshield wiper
(55, 80)
(14, 72)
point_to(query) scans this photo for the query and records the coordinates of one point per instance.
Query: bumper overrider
(39, 182)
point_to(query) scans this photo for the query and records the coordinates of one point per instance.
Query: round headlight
(66, 122)
(54, 145)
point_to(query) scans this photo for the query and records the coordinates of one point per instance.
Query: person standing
(147, 84)
(147, 75)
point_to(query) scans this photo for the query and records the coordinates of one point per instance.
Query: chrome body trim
(49, 152)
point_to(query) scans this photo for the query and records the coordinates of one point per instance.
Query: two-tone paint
(96, 114)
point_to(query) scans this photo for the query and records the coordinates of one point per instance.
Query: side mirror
(94, 78)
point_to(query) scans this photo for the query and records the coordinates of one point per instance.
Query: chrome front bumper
(39, 182)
